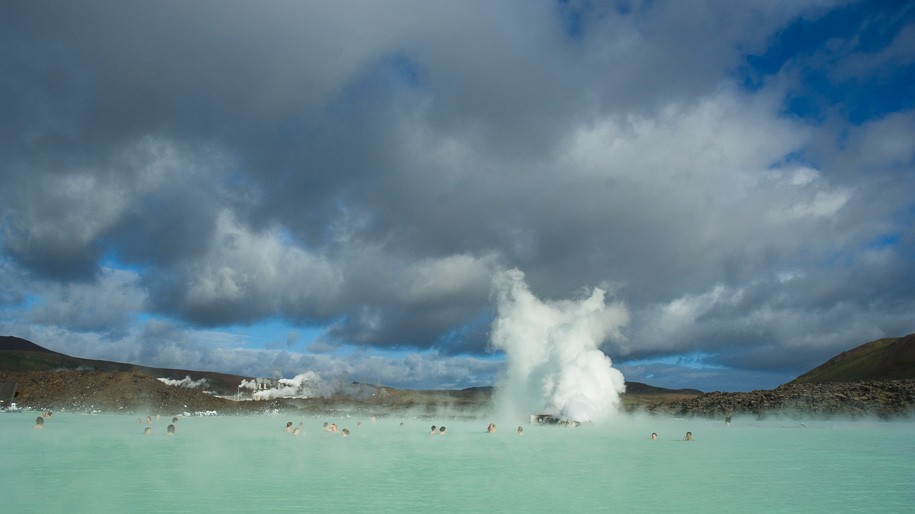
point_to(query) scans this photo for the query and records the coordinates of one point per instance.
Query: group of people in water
(687, 437)
(39, 421)
(169, 430)
(289, 429)
(436, 430)
(333, 428)
(297, 430)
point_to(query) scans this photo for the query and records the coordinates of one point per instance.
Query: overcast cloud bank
(281, 188)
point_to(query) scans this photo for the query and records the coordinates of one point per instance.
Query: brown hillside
(17, 354)
(884, 359)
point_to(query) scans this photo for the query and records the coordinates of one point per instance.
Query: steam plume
(305, 385)
(554, 365)
(186, 382)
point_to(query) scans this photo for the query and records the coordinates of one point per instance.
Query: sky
(281, 187)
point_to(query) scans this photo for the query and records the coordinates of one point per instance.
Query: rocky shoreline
(137, 392)
(883, 399)
(133, 392)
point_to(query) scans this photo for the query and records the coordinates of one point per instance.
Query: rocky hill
(874, 379)
(891, 358)
(20, 355)
(135, 392)
(883, 399)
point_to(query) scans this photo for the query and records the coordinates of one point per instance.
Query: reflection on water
(82, 463)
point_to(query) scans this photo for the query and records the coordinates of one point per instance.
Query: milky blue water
(104, 463)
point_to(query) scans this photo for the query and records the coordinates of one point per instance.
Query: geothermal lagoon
(105, 463)
(392, 463)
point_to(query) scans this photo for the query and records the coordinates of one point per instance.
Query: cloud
(246, 276)
(175, 176)
(108, 305)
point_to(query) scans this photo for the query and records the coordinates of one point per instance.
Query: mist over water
(553, 364)
(104, 463)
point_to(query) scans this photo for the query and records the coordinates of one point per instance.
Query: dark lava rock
(884, 399)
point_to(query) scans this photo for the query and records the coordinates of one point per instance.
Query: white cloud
(111, 304)
(256, 274)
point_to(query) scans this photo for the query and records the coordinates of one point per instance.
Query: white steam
(306, 385)
(554, 365)
(185, 382)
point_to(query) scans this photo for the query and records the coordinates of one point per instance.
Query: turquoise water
(103, 463)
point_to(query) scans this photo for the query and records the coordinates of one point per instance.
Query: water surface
(104, 463)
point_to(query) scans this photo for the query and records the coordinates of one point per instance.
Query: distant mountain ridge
(881, 360)
(891, 358)
(18, 354)
(646, 389)
(876, 378)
